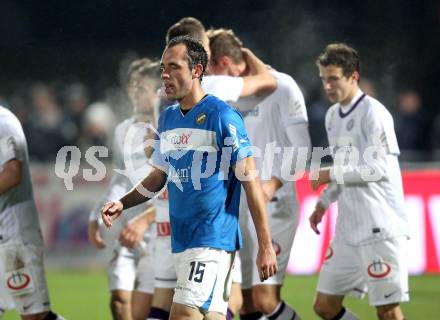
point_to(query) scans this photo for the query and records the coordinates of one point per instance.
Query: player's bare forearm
(153, 183)
(255, 65)
(146, 218)
(142, 192)
(135, 229)
(259, 80)
(257, 207)
(10, 175)
(266, 258)
(94, 235)
(255, 200)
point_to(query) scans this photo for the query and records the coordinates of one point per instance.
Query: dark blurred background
(62, 62)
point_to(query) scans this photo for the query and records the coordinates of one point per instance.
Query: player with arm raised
(368, 252)
(277, 121)
(197, 133)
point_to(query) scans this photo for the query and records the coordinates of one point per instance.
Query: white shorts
(131, 269)
(164, 269)
(283, 222)
(23, 284)
(380, 269)
(204, 279)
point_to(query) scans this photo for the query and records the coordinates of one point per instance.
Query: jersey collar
(195, 106)
(353, 104)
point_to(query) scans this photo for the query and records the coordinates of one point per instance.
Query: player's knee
(389, 312)
(248, 302)
(323, 310)
(264, 301)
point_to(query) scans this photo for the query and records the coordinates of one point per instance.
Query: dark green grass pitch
(83, 295)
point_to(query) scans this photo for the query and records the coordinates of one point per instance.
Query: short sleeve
(378, 129)
(226, 88)
(293, 106)
(233, 133)
(9, 145)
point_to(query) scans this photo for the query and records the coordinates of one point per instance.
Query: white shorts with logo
(283, 222)
(204, 279)
(164, 270)
(23, 284)
(381, 269)
(131, 269)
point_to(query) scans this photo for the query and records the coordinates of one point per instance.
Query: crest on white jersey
(350, 124)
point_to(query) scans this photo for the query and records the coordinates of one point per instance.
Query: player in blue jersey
(203, 151)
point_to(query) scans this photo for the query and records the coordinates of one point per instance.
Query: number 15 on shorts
(197, 271)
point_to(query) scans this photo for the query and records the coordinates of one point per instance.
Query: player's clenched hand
(110, 211)
(269, 188)
(131, 235)
(316, 217)
(323, 178)
(94, 235)
(266, 262)
(268, 191)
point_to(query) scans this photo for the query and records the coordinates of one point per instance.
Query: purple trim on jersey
(279, 311)
(343, 115)
(251, 316)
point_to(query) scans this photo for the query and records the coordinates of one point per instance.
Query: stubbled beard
(174, 98)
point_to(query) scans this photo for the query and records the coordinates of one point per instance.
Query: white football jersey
(366, 178)
(18, 215)
(162, 207)
(273, 123)
(131, 166)
(225, 88)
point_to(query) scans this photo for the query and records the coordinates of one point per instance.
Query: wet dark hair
(195, 52)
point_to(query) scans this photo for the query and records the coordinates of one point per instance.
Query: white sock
(283, 312)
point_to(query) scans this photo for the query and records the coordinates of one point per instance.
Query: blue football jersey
(198, 151)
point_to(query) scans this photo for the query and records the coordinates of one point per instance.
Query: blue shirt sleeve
(233, 134)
